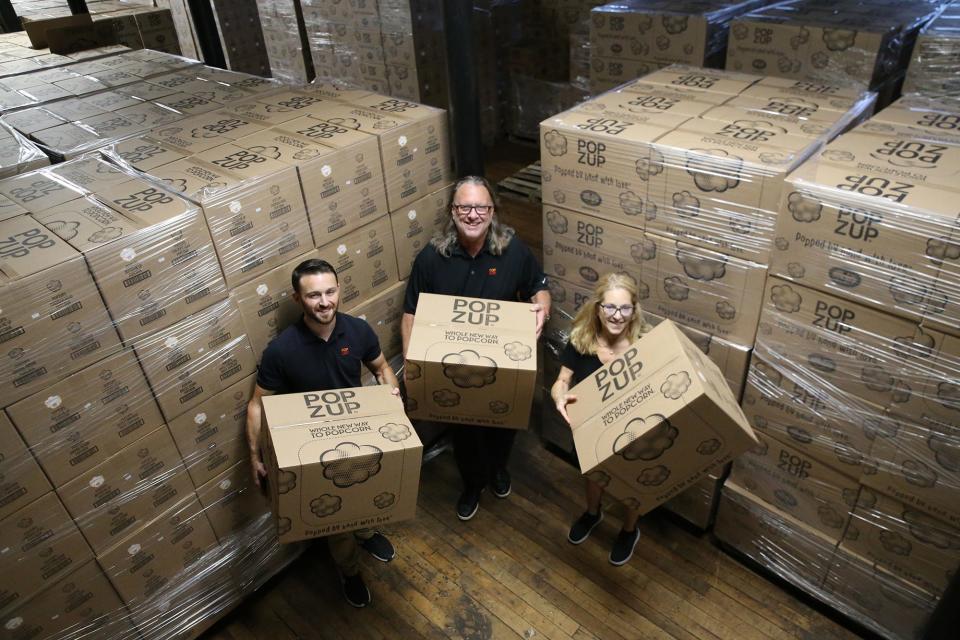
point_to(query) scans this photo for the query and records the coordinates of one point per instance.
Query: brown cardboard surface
(84, 599)
(623, 31)
(810, 491)
(850, 346)
(909, 544)
(152, 564)
(195, 358)
(125, 492)
(383, 313)
(471, 361)
(39, 544)
(698, 79)
(656, 420)
(772, 537)
(149, 253)
(21, 479)
(929, 393)
(145, 154)
(339, 460)
(231, 501)
(415, 224)
(266, 304)
(37, 29)
(212, 436)
(53, 318)
(590, 163)
(78, 422)
(365, 261)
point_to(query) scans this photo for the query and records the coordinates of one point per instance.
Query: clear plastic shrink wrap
(631, 38)
(281, 37)
(126, 508)
(933, 66)
(864, 43)
(146, 90)
(676, 179)
(17, 154)
(854, 378)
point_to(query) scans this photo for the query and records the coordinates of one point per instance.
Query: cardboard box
(232, 502)
(79, 422)
(150, 568)
(854, 348)
(212, 436)
(471, 361)
(773, 538)
(365, 261)
(651, 423)
(609, 72)
(909, 544)
(931, 361)
(339, 170)
(39, 544)
(834, 428)
(878, 598)
(810, 491)
(125, 492)
(414, 225)
(912, 463)
(590, 163)
(339, 460)
(656, 34)
(383, 313)
(21, 480)
(197, 357)
(63, 326)
(811, 99)
(84, 599)
(700, 80)
(149, 252)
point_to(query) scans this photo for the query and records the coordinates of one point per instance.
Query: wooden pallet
(523, 185)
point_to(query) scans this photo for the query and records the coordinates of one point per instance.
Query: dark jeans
(480, 452)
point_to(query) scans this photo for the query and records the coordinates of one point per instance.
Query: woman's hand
(562, 401)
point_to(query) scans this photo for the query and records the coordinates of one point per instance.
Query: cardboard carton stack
(281, 21)
(932, 66)
(865, 43)
(18, 55)
(630, 39)
(183, 23)
(675, 179)
(17, 154)
(854, 374)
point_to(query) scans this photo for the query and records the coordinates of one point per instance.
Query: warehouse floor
(510, 572)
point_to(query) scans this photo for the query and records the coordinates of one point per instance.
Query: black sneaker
(584, 525)
(501, 483)
(468, 503)
(623, 546)
(355, 591)
(379, 547)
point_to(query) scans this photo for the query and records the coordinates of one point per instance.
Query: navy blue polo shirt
(297, 361)
(512, 276)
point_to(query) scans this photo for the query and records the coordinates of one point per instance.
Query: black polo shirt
(582, 364)
(297, 361)
(513, 275)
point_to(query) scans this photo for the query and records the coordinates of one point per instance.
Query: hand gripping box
(339, 460)
(656, 420)
(472, 361)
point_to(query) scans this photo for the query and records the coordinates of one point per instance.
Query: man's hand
(542, 316)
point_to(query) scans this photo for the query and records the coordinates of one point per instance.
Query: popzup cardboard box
(472, 361)
(339, 460)
(656, 420)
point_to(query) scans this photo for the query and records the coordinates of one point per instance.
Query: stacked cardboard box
(183, 23)
(17, 154)
(855, 371)
(632, 38)
(863, 43)
(933, 65)
(676, 180)
(17, 55)
(281, 21)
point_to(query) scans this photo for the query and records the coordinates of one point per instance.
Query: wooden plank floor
(510, 573)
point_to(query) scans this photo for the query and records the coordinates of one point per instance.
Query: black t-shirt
(297, 361)
(581, 365)
(513, 275)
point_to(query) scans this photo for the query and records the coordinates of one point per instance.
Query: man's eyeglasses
(465, 209)
(610, 310)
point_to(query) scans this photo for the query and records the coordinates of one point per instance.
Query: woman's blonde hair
(498, 235)
(586, 324)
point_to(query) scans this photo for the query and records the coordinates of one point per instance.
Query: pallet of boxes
(854, 492)
(675, 179)
(138, 288)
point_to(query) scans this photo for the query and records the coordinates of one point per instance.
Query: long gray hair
(498, 235)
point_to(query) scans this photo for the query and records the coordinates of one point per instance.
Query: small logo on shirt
(344, 351)
(492, 271)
